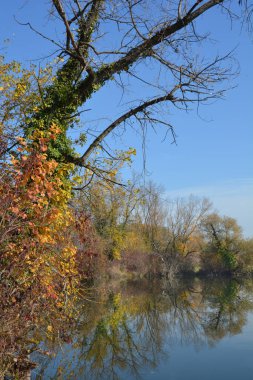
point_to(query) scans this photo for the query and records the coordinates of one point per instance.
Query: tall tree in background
(224, 236)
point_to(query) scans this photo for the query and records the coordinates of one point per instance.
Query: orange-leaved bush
(36, 247)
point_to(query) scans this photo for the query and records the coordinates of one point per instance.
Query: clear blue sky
(213, 155)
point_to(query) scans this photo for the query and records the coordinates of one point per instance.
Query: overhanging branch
(90, 84)
(134, 111)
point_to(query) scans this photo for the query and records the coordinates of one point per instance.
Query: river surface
(189, 330)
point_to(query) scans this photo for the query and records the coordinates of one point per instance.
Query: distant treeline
(138, 231)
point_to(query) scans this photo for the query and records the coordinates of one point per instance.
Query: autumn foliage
(35, 217)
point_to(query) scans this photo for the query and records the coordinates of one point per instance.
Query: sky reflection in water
(195, 329)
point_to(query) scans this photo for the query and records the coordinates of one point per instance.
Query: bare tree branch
(120, 120)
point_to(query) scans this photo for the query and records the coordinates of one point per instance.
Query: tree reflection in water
(122, 329)
(137, 325)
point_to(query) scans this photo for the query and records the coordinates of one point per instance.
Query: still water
(191, 329)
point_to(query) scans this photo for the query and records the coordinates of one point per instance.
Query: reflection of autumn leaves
(129, 327)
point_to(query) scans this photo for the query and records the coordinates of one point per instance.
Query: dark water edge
(193, 327)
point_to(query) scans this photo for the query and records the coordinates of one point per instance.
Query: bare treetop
(151, 42)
